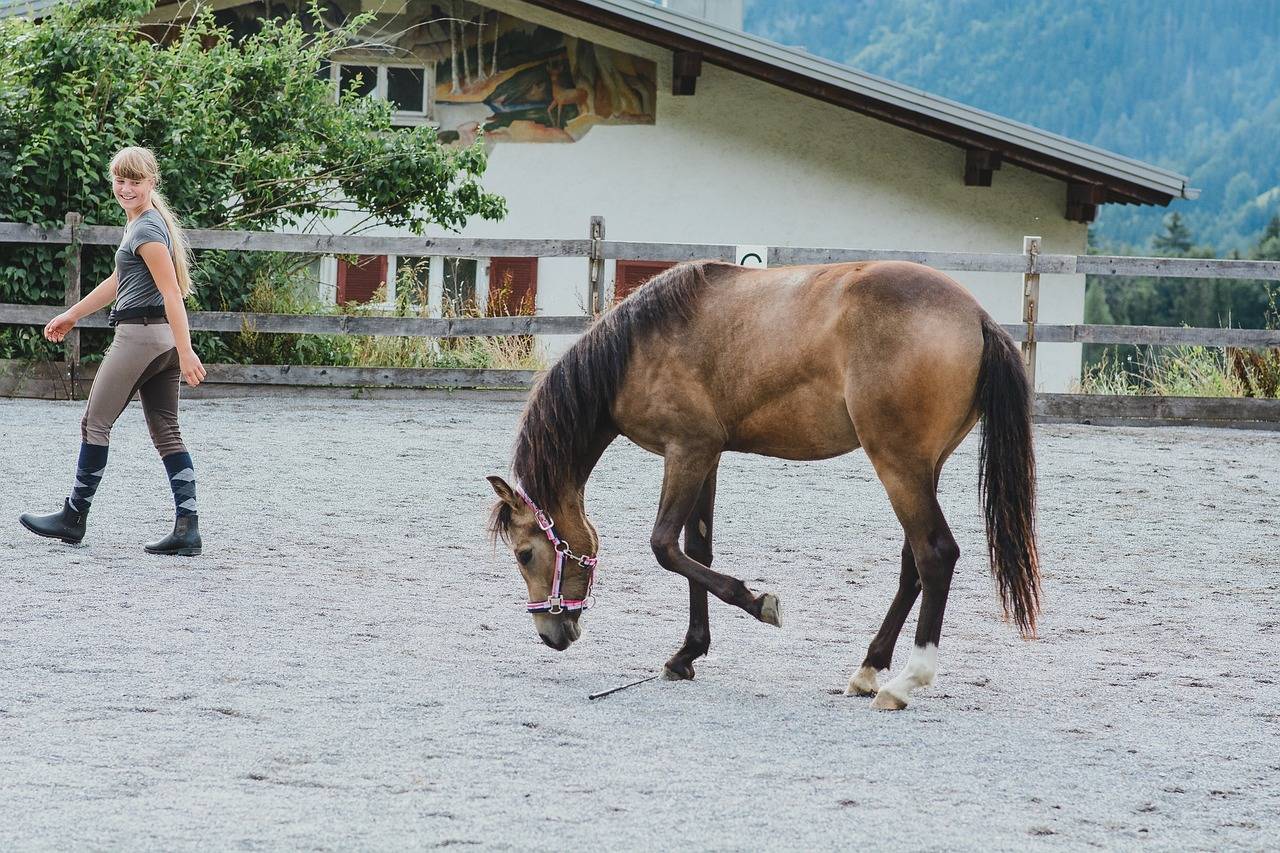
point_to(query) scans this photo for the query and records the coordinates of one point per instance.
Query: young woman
(151, 350)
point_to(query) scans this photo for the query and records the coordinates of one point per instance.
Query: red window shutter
(359, 281)
(513, 286)
(632, 274)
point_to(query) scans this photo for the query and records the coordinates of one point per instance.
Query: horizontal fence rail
(359, 244)
(49, 379)
(474, 327)
(1138, 410)
(381, 377)
(315, 244)
(1147, 335)
(330, 324)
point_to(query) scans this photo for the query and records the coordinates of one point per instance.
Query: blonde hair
(139, 164)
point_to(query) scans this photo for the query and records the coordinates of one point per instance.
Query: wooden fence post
(595, 277)
(72, 296)
(1031, 303)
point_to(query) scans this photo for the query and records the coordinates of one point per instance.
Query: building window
(406, 87)
(513, 287)
(412, 282)
(359, 282)
(459, 292)
(631, 274)
(361, 78)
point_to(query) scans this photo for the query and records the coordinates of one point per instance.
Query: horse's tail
(1007, 475)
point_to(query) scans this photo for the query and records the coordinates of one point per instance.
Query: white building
(681, 128)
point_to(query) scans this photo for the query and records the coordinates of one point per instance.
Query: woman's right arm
(97, 299)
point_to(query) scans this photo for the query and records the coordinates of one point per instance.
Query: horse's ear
(504, 492)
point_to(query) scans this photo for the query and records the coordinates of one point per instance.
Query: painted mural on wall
(521, 82)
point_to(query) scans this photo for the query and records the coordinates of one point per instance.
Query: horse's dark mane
(559, 437)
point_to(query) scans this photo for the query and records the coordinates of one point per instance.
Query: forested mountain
(1191, 85)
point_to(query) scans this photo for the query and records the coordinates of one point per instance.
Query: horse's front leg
(684, 474)
(697, 544)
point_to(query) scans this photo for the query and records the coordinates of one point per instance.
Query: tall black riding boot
(67, 525)
(184, 541)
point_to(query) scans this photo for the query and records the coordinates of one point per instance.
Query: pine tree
(1176, 239)
(1096, 309)
(1268, 248)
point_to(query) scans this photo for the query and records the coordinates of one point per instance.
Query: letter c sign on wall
(753, 256)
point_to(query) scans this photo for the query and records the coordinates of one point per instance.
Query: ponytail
(180, 252)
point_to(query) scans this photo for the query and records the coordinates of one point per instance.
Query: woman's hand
(192, 369)
(57, 328)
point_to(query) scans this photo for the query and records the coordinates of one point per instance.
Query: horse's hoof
(886, 701)
(684, 673)
(864, 683)
(770, 610)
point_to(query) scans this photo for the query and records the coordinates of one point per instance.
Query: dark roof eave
(1118, 190)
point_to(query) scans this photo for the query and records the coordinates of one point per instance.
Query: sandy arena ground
(348, 666)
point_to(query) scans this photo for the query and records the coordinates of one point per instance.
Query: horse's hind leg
(697, 544)
(683, 477)
(865, 681)
(912, 491)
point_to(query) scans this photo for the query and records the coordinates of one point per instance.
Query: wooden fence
(70, 379)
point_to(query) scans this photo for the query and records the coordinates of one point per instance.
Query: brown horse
(798, 363)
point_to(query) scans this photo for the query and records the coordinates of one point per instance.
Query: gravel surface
(348, 665)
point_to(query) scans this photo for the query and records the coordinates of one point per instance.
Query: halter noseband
(555, 602)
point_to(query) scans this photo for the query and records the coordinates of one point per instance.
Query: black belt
(144, 314)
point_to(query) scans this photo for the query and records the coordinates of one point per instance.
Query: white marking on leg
(919, 672)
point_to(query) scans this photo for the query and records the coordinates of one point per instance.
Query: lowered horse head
(555, 556)
(565, 428)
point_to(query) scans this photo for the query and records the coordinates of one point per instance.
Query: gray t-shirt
(135, 286)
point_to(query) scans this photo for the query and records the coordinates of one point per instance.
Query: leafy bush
(247, 134)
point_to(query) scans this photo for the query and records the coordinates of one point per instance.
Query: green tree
(1268, 248)
(1267, 294)
(247, 133)
(1175, 241)
(1096, 309)
(1088, 70)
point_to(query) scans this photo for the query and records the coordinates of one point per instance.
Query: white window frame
(435, 282)
(402, 118)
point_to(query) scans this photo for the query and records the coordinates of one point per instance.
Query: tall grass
(1187, 371)
(1190, 371)
(508, 352)
(293, 296)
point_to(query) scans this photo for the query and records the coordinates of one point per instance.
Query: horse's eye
(525, 556)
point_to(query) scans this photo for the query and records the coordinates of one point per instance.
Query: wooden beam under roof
(686, 66)
(1083, 200)
(979, 163)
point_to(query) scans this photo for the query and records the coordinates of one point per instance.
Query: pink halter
(555, 602)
